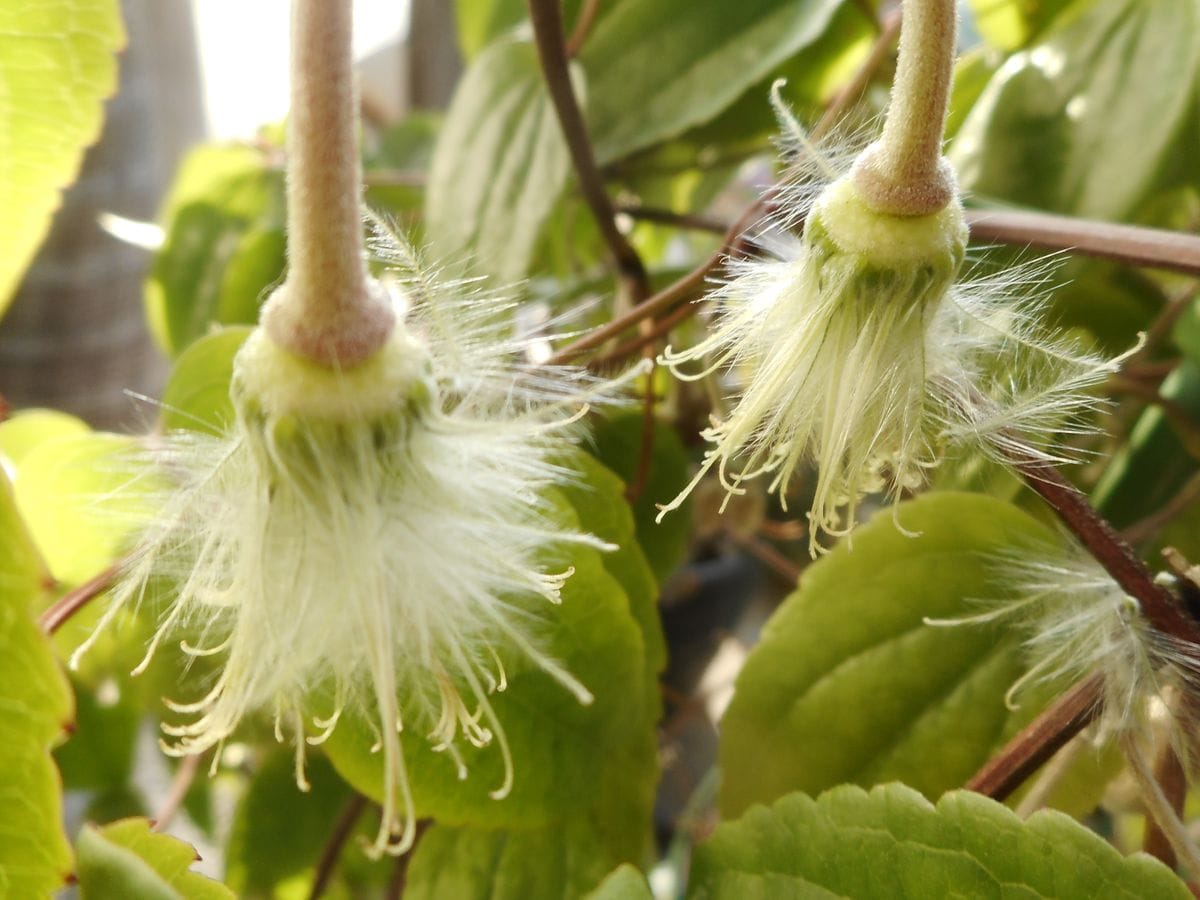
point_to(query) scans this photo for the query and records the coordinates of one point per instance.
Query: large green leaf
(196, 396)
(24, 431)
(35, 702)
(618, 443)
(499, 166)
(551, 863)
(224, 244)
(81, 497)
(625, 883)
(57, 64)
(126, 859)
(893, 843)
(644, 89)
(1150, 469)
(1009, 24)
(849, 685)
(278, 831)
(1090, 118)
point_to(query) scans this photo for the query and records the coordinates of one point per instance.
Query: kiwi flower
(864, 351)
(362, 535)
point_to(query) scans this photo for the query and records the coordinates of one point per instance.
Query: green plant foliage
(30, 427)
(892, 842)
(1156, 461)
(79, 496)
(279, 832)
(395, 172)
(99, 754)
(849, 685)
(625, 883)
(499, 166)
(717, 51)
(1043, 134)
(127, 859)
(1010, 24)
(35, 856)
(549, 863)
(224, 245)
(618, 442)
(196, 396)
(57, 64)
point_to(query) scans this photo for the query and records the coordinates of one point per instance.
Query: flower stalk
(904, 172)
(328, 310)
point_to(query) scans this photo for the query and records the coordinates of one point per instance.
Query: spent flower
(866, 351)
(368, 539)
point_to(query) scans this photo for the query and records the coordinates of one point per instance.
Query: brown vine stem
(1039, 740)
(583, 27)
(546, 16)
(342, 829)
(1171, 250)
(399, 880)
(1108, 548)
(180, 784)
(71, 602)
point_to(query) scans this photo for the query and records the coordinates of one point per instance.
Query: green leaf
(279, 832)
(553, 863)
(626, 883)
(27, 429)
(98, 755)
(481, 21)
(57, 65)
(598, 499)
(1010, 24)
(1088, 120)
(499, 166)
(224, 246)
(35, 856)
(80, 498)
(849, 685)
(406, 149)
(618, 442)
(893, 843)
(127, 859)
(716, 52)
(196, 396)
(1151, 468)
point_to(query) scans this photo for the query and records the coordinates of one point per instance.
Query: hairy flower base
(862, 355)
(1078, 620)
(359, 537)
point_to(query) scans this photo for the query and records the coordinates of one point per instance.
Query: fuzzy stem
(328, 310)
(904, 173)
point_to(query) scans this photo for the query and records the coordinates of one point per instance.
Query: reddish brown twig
(73, 601)
(1039, 740)
(342, 829)
(546, 16)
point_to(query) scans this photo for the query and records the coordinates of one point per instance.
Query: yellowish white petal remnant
(365, 534)
(864, 353)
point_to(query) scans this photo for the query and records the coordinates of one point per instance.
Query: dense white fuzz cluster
(862, 352)
(370, 538)
(1078, 620)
